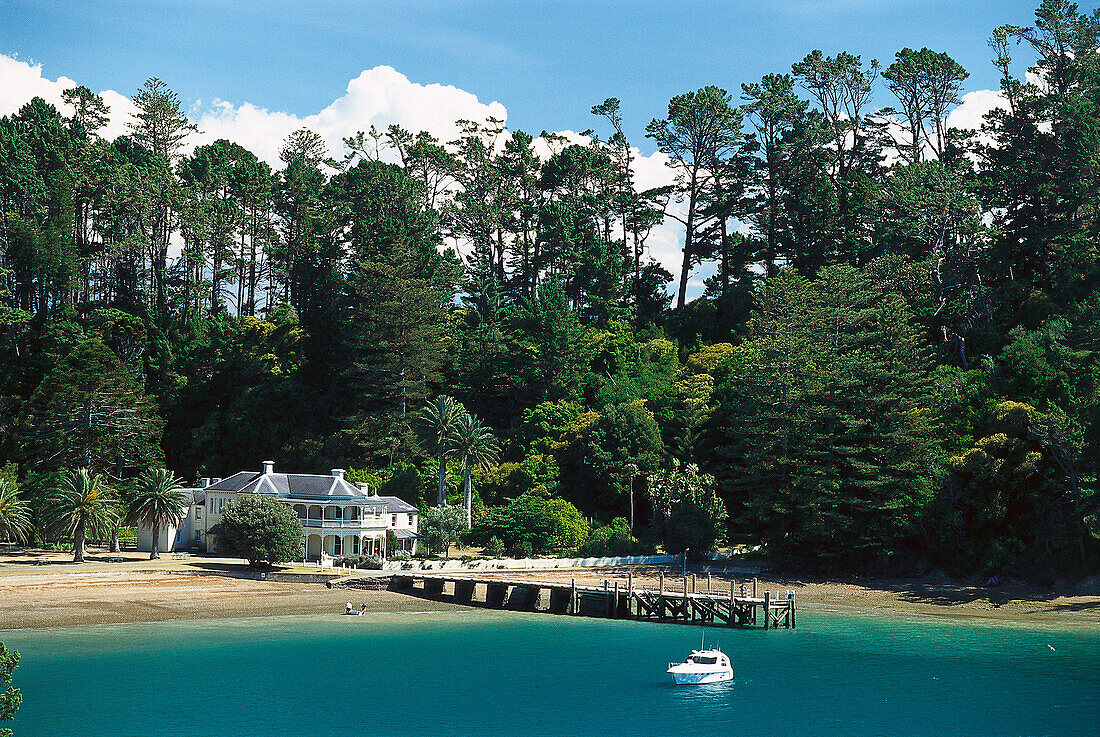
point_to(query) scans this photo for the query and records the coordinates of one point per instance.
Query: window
(339, 513)
(355, 545)
(393, 521)
(198, 513)
(412, 520)
(336, 546)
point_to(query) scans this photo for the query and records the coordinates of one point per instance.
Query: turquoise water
(490, 673)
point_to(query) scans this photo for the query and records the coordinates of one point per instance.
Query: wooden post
(792, 610)
(685, 596)
(693, 583)
(661, 598)
(767, 608)
(708, 582)
(629, 593)
(573, 596)
(615, 603)
(754, 587)
(729, 622)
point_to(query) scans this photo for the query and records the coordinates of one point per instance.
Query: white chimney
(338, 473)
(214, 481)
(204, 482)
(269, 467)
(365, 487)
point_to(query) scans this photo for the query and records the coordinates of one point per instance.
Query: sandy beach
(55, 600)
(930, 596)
(142, 591)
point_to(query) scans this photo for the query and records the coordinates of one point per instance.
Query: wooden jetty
(618, 599)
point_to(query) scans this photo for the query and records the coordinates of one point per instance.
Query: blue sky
(547, 62)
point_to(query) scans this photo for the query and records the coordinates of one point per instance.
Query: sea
(481, 673)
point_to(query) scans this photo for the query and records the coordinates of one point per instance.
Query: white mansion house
(338, 518)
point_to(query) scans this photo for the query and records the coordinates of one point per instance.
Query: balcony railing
(362, 522)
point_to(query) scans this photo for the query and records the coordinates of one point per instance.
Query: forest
(893, 365)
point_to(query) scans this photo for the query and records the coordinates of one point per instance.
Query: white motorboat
(705, 665)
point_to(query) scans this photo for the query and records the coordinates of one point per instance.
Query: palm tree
(15, 514)
(82, 505)
(475, 445)
(435, 424)
(157, 500)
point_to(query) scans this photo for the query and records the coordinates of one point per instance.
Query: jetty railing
(614, 599)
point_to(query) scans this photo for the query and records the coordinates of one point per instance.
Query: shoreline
(75, 597)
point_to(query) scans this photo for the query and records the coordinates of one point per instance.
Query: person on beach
(349, 609)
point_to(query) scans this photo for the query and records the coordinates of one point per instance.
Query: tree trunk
(154, 553)
(725, 267)
(115, 546)
(78, 543)
(442, 479)
(685, 268)
(689, 237)
(467, 486)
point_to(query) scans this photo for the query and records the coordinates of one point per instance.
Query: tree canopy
(891, 359)
(261, 530)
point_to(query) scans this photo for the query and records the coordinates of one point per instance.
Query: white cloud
(20, 81)
(971, 112)
(378, 97)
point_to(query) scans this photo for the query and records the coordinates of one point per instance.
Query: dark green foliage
(538, 474)
(532, 523)
(442, 526)
(596, 450)
(10, 698)
(404, 481)
(609, 540)
(262, 530)
(543, 424)
(89, 411)
(82, 506)
(495, 547)
(397, 287)
(825, 422)
(692, 528)
(1007, 500)
(877, 293)
(687, 511)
